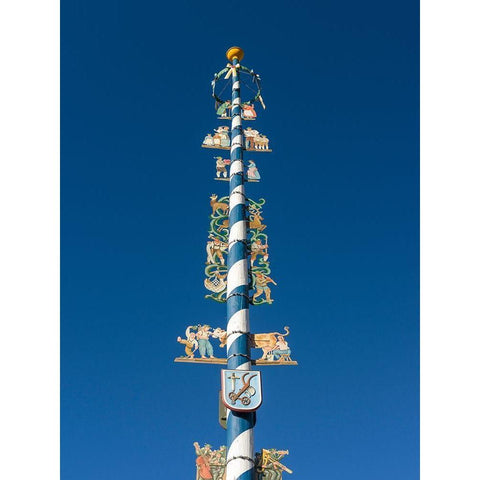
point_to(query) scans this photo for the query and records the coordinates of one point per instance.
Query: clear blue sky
(341, 84)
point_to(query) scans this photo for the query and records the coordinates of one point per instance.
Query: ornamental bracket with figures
(211, 464)
(217, 250)
(199, 348)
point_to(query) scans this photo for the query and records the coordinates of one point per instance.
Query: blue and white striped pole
(240, 456)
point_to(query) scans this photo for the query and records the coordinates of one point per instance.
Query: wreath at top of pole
(225, 74)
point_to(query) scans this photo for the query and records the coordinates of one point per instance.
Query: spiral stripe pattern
(240, 458)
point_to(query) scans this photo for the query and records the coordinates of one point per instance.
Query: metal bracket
(239, 355)
(239, 295)
(245, 242)
(238, 331)
(241, 457)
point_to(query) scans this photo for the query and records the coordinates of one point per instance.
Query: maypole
(237, 232)
(240, 461)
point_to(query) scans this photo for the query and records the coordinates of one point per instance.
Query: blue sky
(341, 87)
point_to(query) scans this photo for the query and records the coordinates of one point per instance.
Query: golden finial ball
(233, 52)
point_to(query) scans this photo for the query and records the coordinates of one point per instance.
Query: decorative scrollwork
(217, 250)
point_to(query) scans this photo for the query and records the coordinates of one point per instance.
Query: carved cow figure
(265, 341)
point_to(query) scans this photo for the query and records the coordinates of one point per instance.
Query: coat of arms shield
(241, 390)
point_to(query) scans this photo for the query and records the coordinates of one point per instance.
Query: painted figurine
(252, 171)
(269, 467)
(254, 140)
(208, 140)
(281, 349)
(203, 461)
(218, 463)
(256, 249)
(261, 142)
(221, 166)
(191, 344)
(261, 285)
(221, 137)
(222, 207)
(255, 222)
(250, 135)
(216, 249)
(224, 109)
(210, 463)
(204, 345)
(267, 342)
(248, 112)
